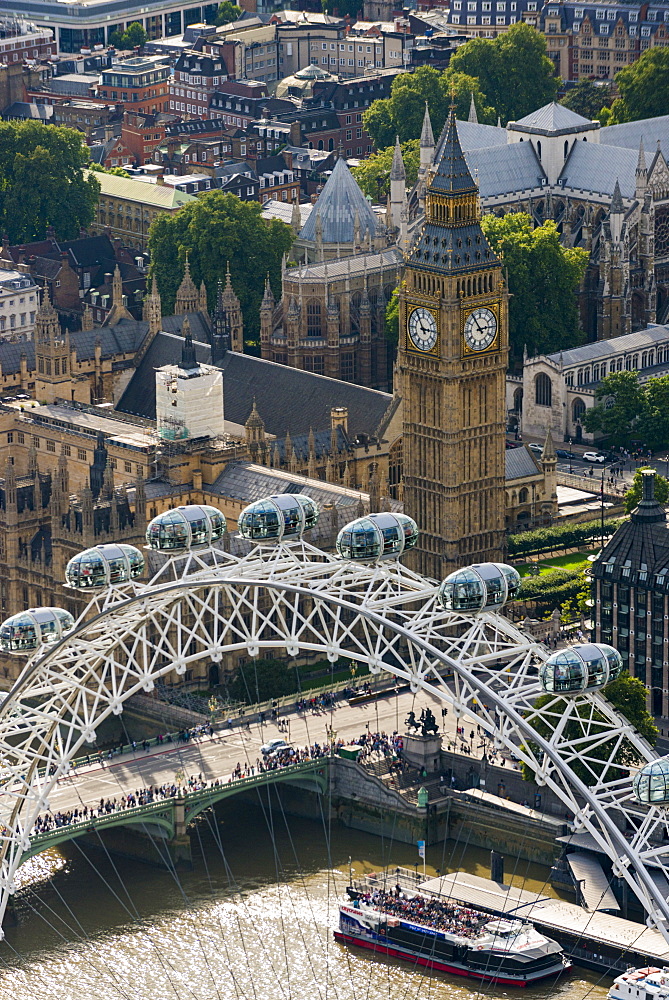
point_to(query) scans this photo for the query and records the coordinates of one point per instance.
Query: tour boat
(439, 934)
(651, 983)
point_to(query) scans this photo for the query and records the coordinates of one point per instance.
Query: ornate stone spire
(203, 297)
(473, 117)
(188, 297)
(296, 217)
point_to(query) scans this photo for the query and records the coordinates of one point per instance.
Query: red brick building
(140, 84)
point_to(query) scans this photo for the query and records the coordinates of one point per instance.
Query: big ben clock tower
(453, 353)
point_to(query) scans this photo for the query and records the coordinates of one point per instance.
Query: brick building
(140, 83)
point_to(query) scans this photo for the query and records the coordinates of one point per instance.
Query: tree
(392, 321)
(134, 37)
(227, 12)
(342, 7)
(588, 98)
(643, 88)
(634, 492)
(628, 696)
(216, 229)
(402, 113)
(655, 428)
(543, 278)
(373, 174)
(621, 403)
(42, 181)
(513, 70)
(99, 169)
(260, 680)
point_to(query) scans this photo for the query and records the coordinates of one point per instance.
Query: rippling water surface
(253, 919)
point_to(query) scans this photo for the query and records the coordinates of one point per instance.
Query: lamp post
(570, 455)
(602, 507)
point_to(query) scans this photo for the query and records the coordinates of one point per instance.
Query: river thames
(254, 919)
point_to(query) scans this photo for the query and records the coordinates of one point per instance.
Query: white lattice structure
(296, 597)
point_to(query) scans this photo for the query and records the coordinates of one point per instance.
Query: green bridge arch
(174, 815)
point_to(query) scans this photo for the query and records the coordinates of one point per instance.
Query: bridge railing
(283, 705)
(108, 818)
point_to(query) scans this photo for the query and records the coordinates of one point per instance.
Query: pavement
(216, 757)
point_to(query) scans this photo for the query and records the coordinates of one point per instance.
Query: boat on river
(650, 983)
(408, 922)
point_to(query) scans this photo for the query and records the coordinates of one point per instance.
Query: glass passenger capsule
(281, 516)
(29, 629)
(104, 565)
(481, 587)
(184, 527)
(651, 783)
(580, 668)
(377, 536)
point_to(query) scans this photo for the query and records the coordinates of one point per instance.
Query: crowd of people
(48, 822)
(449, 917)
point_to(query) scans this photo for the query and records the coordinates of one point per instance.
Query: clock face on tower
(422, 329)
(480, 329)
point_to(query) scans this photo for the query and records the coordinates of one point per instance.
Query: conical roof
(339, 202)
(451, 174)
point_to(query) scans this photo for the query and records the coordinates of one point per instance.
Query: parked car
(594, 456)
(561, 453)
(272, 746)
(537, 448)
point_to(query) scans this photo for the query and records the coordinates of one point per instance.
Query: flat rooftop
(551, 914)
(123, 432)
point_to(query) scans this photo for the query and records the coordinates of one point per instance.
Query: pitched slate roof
(630, 134)
(337, 205)
(616, 345)
(276, 387)
(475, 136)
(552, 118)
(248, 482)
(592, 167)
(520, 463)
(89, 250)
(504, 169)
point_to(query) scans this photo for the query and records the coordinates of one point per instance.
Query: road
(216, 757)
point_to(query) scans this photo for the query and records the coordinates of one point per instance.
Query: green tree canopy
(402, 113)
(42, 181)
(634, 493)
(628, 696)
(133, 37)
(342, 7)
(643, 88)
(543, 279)
(621, 403)
(99, 169)
(392, 320)
(513, 70)
(588, 98)
(216, 229)
(227, 12)
(629, 412)
(373, 173)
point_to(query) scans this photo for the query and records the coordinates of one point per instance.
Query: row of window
(648, 359)
(12, 321)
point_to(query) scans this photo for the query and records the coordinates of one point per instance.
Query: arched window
(577, 409)
(579, 377)
(543, 390)
(523, 495)
(612, 367)
(566, 148)
(595, 373)
(539, 149)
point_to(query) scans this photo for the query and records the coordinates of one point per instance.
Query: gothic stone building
(607, 189)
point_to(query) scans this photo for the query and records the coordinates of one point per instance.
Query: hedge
(552, 589)
(562, 536)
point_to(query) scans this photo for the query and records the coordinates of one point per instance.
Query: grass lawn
(572, 561)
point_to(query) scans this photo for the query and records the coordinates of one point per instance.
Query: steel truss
(296, 598)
